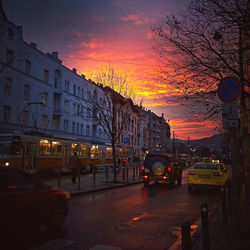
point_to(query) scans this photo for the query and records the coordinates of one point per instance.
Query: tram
(40, 155)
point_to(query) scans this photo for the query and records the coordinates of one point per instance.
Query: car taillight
(217, 174)
(142, 168)
(191, 172)
(164, 177)
(169, 170)
(145, 176)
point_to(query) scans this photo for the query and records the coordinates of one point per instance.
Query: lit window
(45, 147)
(44, 98)
(56, 148)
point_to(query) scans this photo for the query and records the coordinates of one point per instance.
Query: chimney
(74, 70)
(33, 45)
(55, 54)
(83, 76)
(162, 115)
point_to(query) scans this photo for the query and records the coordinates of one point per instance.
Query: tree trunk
(114, 161)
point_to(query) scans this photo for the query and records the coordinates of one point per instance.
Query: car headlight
(67, 194)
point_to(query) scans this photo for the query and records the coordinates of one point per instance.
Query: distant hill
(218, 140)
(215, 140)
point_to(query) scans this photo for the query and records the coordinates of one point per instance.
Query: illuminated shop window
(95, 152)
(109, 152)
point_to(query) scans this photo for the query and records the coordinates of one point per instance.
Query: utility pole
(174, 153)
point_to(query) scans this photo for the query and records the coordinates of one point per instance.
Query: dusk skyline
(90, 34)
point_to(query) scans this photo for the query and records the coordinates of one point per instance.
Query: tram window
(81, 149)
(15, 147)
(45, 147)
(4, 148)
(56, 148)
(9, 146)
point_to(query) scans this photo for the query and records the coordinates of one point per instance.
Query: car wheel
(57, 217)
(145, 183)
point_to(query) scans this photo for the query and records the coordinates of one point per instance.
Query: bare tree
(111, 107)
(201, 46)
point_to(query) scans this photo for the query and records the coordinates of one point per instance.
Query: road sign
(230, 115)
(126, 139)
(229, 89)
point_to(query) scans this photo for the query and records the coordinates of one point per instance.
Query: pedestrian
(74, 166)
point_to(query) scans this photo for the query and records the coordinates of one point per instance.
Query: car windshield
(206, 166)
(150, 160)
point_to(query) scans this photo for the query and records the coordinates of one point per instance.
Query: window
(74, 90)
(56, 148)
(78, 109)
(56, 82)
(74, 109)
(66, 86)
(82, 93)
(66, 125)
(46, 75)
(27, 66)
(55, 123)
(77, 128)
(26, 93)
(87, 130)
(25, 117)
(78, 92)
(73, 127)
(44, 121)
(44, 98)
(81, 130)
(10, 58)
(11, 34)
(45, 147)
(7, 86)
(6, 113)
(66, 106)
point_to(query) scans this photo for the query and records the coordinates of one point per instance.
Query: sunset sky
(89, 34)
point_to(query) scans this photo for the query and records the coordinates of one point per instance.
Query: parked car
(160, 168)
(207, 174)
(28, 205)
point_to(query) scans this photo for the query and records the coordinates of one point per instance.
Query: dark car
(160, 168)
(28, 205)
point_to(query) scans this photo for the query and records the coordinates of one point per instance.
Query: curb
(119, 185)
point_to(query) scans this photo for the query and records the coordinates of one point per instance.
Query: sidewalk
(231, 237)
(89, 184)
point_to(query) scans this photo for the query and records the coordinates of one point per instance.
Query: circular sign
(229, 89)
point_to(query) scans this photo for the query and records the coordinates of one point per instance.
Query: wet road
(133, 217)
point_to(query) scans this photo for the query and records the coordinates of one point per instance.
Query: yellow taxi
(212, 174)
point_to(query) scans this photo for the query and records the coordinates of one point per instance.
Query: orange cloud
(93, 43)
(137, 19)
